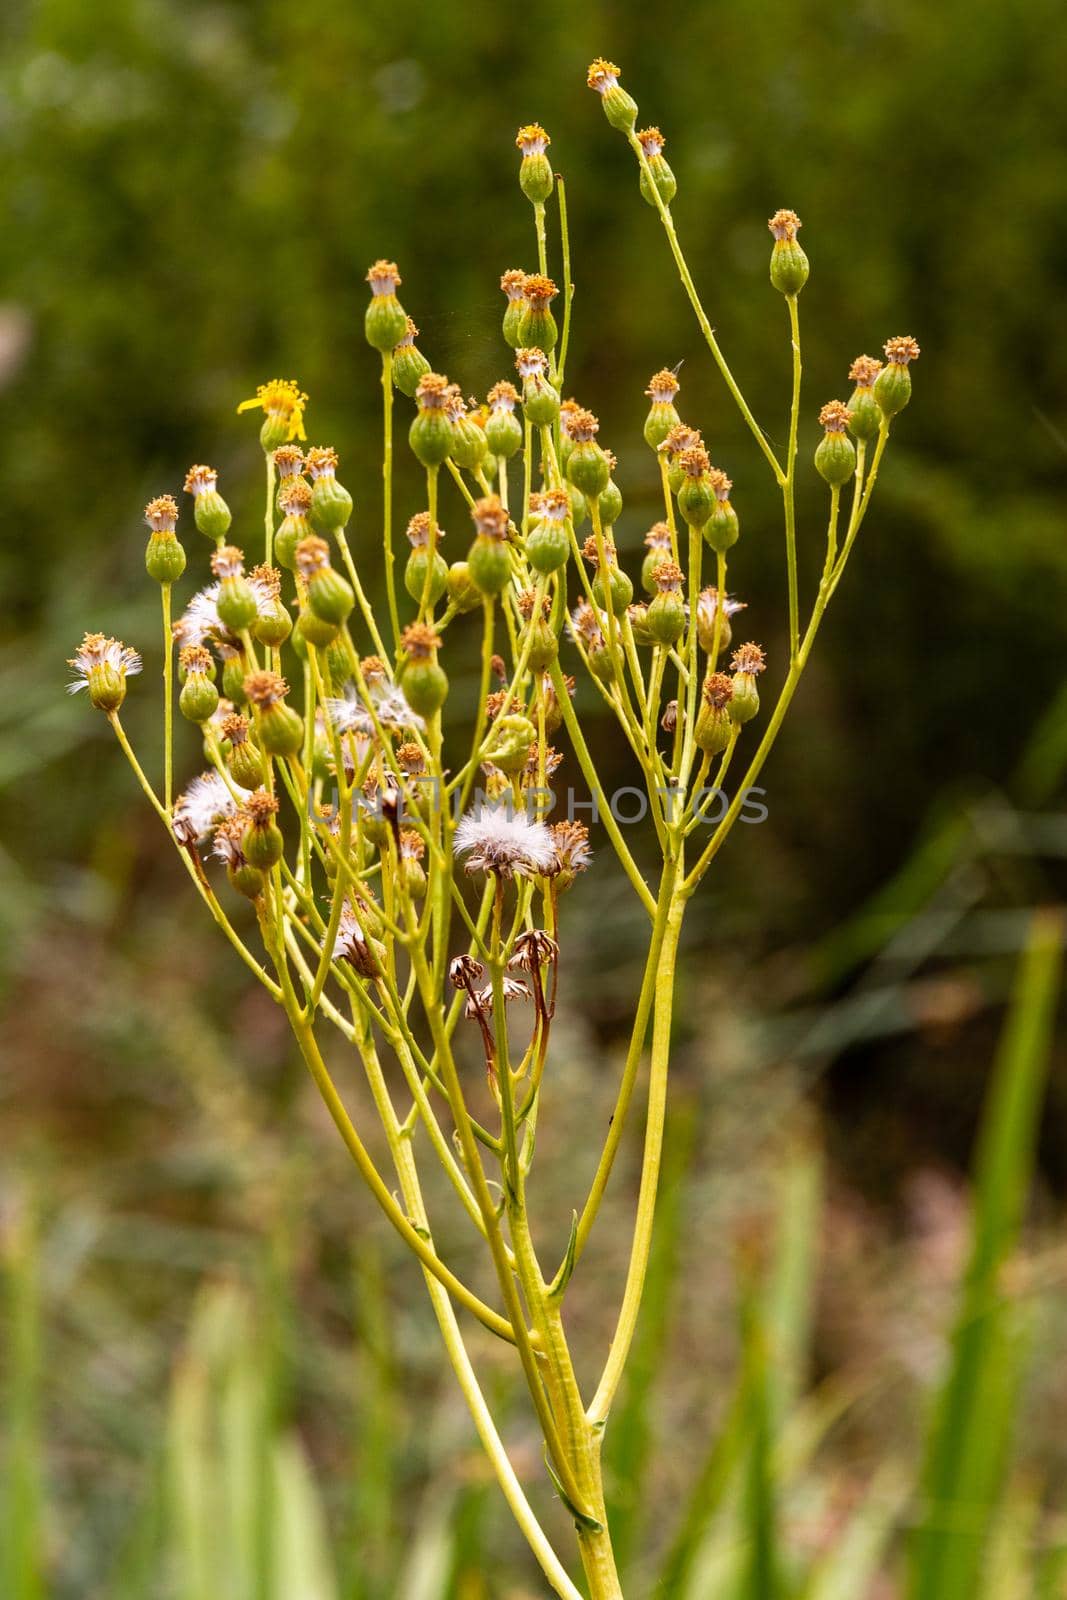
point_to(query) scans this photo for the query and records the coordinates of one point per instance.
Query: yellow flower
(281, 397)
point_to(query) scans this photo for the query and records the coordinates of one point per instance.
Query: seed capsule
(789, 264)
(423, 681)
(663, 182)
(835, 454)
(385, 322)
(409, 364)
(864, 412)
(430, 435)
(892, 387)
(210, 512)
(535, 170)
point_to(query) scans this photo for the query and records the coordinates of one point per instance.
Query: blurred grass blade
(965, 1465)
(301, 1568)
(22, 1552)
(758, 1506)
(848, 1571)
(790, 1292)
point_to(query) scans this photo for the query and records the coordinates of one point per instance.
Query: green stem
(387, 493)
(168, 700)
(788, 487)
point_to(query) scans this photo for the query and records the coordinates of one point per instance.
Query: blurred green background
(192, 193)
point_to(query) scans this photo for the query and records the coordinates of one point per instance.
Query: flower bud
(409, 364)
(609, 502)
(638, 619)
(412, 871)
(663, 183)
(423, 681)
(469, 444)
(508, 742)
(864, 413)
(658, 547)
(385, 322)
(331, 503)
(892, 387)
(279, 729)
(503, 430)
(748, 662)
(662, 415)
(540, 401)
(789, 264)
(489, 558)
(537, 325)
(236, 601)
(262, 843)
(164, 558)
(199, 698)
(665, 620)
(696, 495)
(537, 637)
(513, 284)
(835, 454)
(430, 435)
(462, 589)
(295, 497)
(311, 629)
(234, 673)
(426, 572)
(273, 624)
(620, 591)
(210, 511)
(244, 761)
(329, 594)
(567, 410)
(714, 729)
(535, 170)
(620, 108)
(548, 541)
(681, 437)
(587, 466)
(722, 528)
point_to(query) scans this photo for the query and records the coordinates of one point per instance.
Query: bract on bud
(665, 619)
(587, 465)
(548, 541)
(662, 414)
(540, 400)
(279, 729)
(236, 602)
(748, 662)
(537, 325)
(199, 699)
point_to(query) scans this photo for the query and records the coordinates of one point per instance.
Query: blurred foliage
(193, 192)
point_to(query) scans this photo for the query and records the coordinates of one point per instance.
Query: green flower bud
(748, 662)
(430, 435)
(331, 503)
(279, 729)
(535, 171)
(665, 620)
(513, 284)
(329, 594)
(262, 843)
(789, 264)
(537, 325)
(620, 108)
(864, 412)
(199, 699)
(663, 181)
(244, 761)
(579, 506)
(236, 600)
(892, 387)
(638, 618)
(386, 320)
(210, 511)
(548, 541)
(662, 415)
(409, 364)
(714, 729)
(835, 456)
(620, 590)
(489, 557)
(537, 636)
(658, 547)
(722, 528)
(696, 493)
(503, 430)
(610, 502)
(588, 467)
(463, 592)
(540, 401)
(234, 673)
(469, 444)
(422, 562)
(508, 743)
(311, 629)
(424, 683)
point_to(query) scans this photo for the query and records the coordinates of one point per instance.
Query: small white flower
(97, 650)
(506, 842)
(204, 804)
(200, 619)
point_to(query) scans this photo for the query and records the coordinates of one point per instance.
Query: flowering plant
(345, 822)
